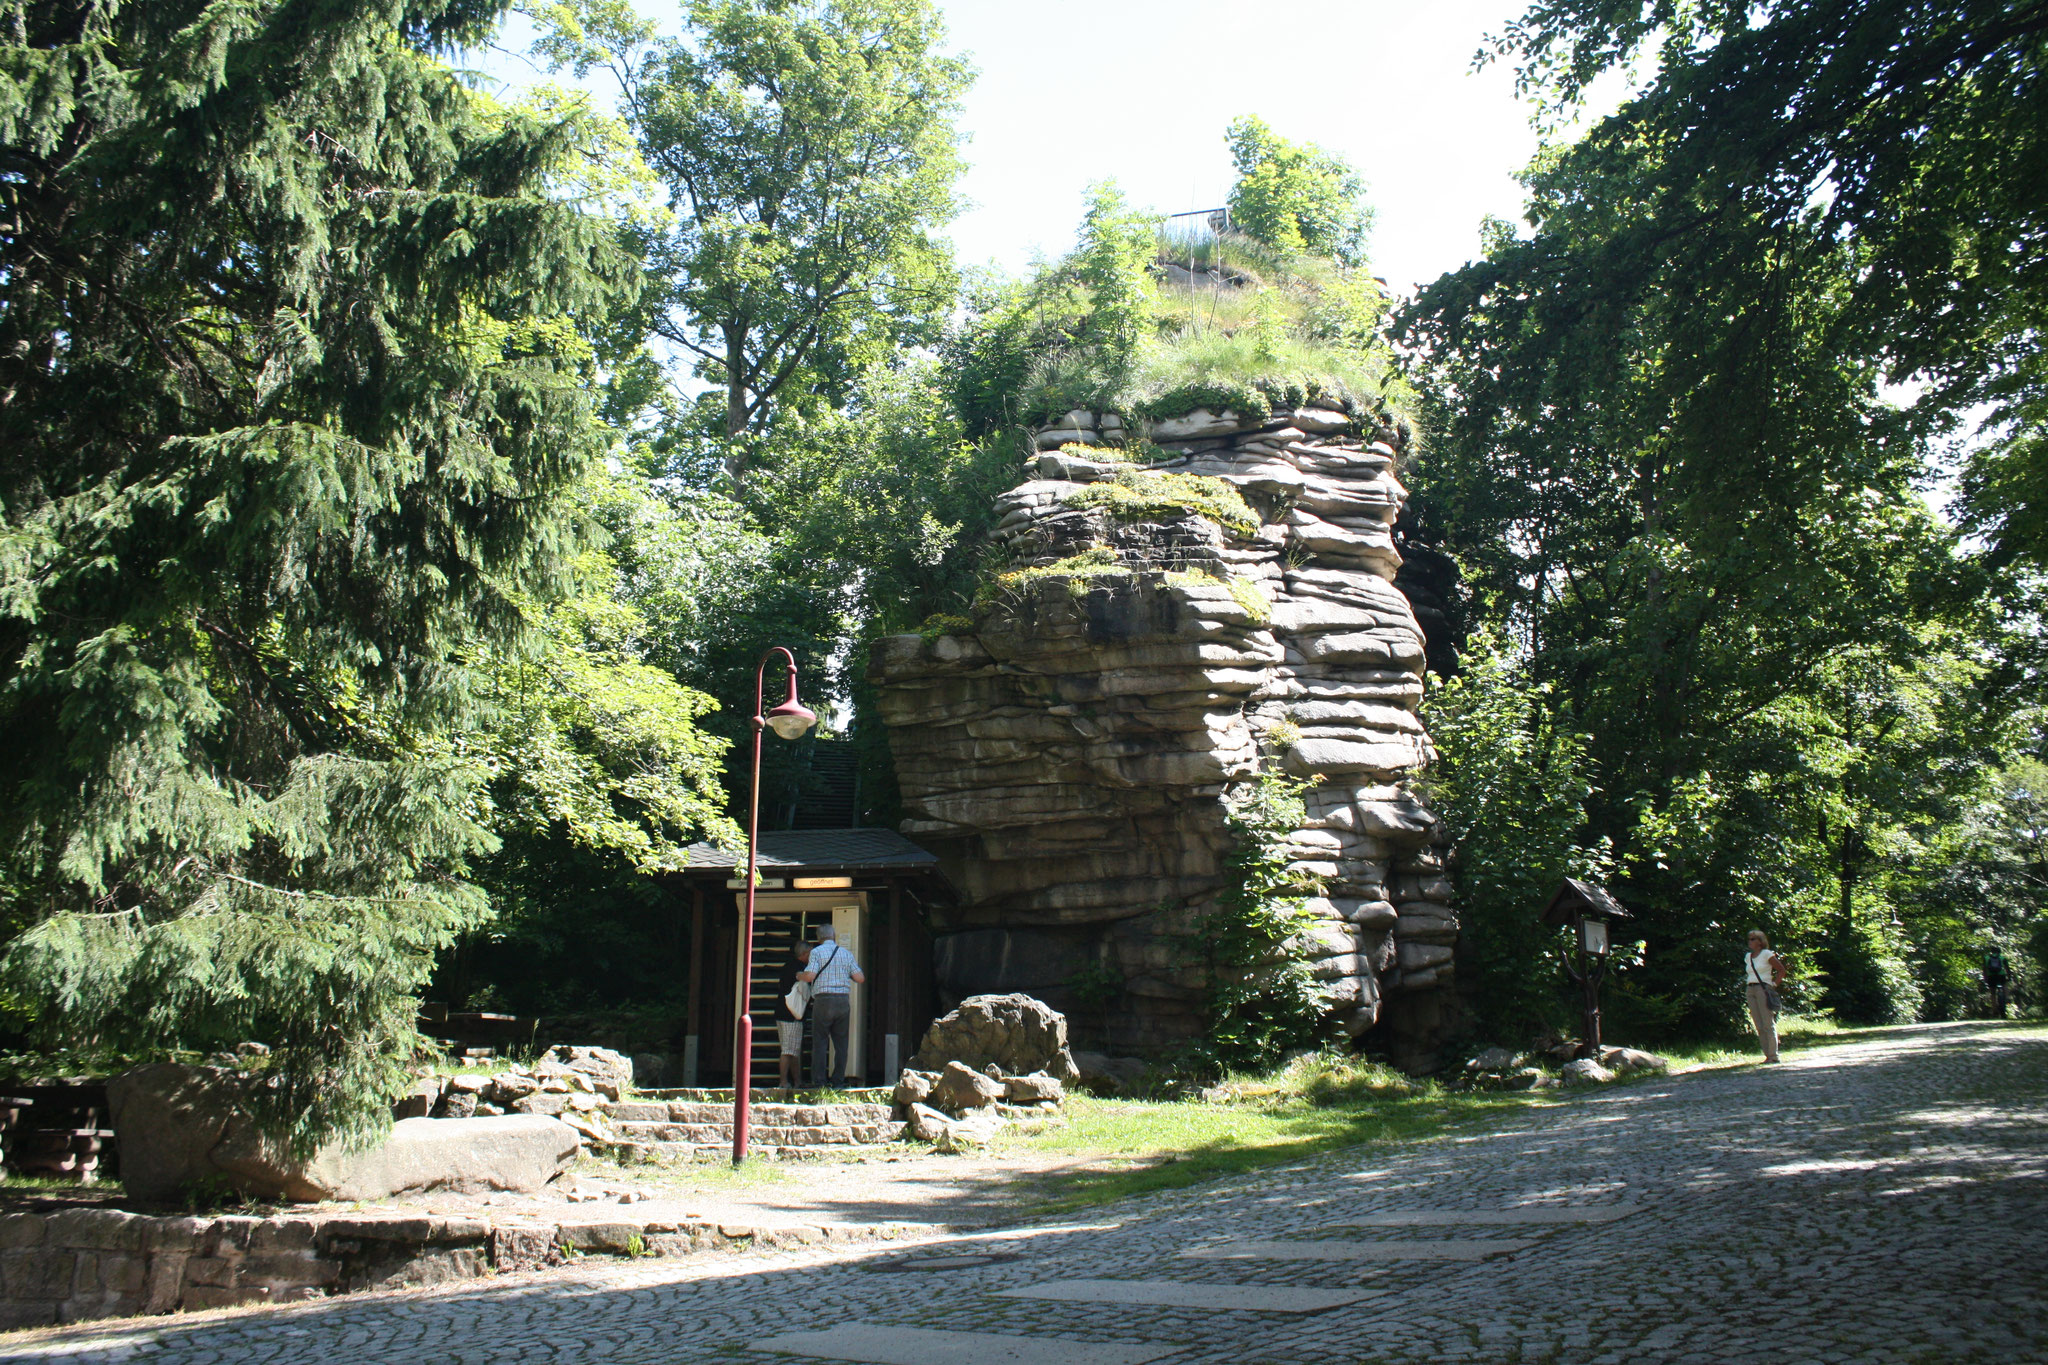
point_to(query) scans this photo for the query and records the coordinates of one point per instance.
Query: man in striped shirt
(833, 974)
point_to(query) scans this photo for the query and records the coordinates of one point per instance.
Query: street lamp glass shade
(790, 720)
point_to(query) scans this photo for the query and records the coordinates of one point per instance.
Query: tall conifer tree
(288, 398)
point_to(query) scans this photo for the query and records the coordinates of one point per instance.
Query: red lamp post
(789, 720)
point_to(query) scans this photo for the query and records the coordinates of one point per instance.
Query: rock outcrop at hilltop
(1068, 750)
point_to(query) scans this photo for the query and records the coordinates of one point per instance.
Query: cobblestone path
(1884, 1201)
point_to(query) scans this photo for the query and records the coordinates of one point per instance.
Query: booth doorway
(781, 919)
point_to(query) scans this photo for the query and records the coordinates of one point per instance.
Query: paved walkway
(1878, 1202)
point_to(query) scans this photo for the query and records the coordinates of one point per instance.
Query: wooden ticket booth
(872, 886)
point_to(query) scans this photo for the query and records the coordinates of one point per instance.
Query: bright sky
(1140, 91)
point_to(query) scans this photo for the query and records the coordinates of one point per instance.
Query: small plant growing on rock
(1255, 603)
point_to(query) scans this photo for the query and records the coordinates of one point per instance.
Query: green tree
(1113, 262)
(293, 412)
(1295, 196)
(809, 153)
(1915, 131)
(1685, 498)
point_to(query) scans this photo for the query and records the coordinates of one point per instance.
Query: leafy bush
(1263, 1003)
(1510, 782)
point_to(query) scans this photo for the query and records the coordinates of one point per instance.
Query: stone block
(289, 1268)
(213, 1271)
(608, 1238)
(19, 1230)
(178, 1234)
(414, 1267)
(99, 1230)
(15, 1316)
(641, 1111)
(516, 1247)
(41, 1273)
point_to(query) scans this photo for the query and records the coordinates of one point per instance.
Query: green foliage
(1510, 783)
(1252, 598)
(1114, 264)
(292, 415)
(591, 738)
(1263, 1002)
(1096, 562)
(1682, 492)
(1914, 133)
(1280, 325)
(1151, 495)
(809, 153)
(1295, 196)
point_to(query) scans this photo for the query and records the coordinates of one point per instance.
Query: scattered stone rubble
(572, 1084)
(1496, 1068)
(1068, 750)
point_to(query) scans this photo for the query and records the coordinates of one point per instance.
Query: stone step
(778, 1135)
(642, 1150)
(779, 1115)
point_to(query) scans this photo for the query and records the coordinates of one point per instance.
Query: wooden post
(692, 1038)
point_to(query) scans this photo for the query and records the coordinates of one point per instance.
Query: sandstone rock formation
(1068, 751)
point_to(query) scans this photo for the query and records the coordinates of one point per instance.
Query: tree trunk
(735, 403)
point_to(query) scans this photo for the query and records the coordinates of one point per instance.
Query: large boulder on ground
(960, 1088)
(976, 1130)
(927, 1124)
(1627, 1060)
(1015, 1033)
(180, 1126)
(168, 1119)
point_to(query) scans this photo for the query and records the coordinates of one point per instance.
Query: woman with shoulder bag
(1763, 971)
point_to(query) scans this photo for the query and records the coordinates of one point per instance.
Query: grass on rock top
(1152, 495)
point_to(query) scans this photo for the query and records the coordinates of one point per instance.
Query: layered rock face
(1069, 753)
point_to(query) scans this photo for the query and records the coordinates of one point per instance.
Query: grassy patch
(1317, 1106)
(1078, 570)
(1150, 495)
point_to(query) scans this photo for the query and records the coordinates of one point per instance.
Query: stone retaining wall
(78, 1264)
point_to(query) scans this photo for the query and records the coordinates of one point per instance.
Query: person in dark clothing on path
(789, 1028)
(1996, 975)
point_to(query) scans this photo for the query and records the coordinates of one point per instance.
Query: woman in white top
(1763, 971)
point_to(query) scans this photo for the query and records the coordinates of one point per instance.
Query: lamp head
(791, 719)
